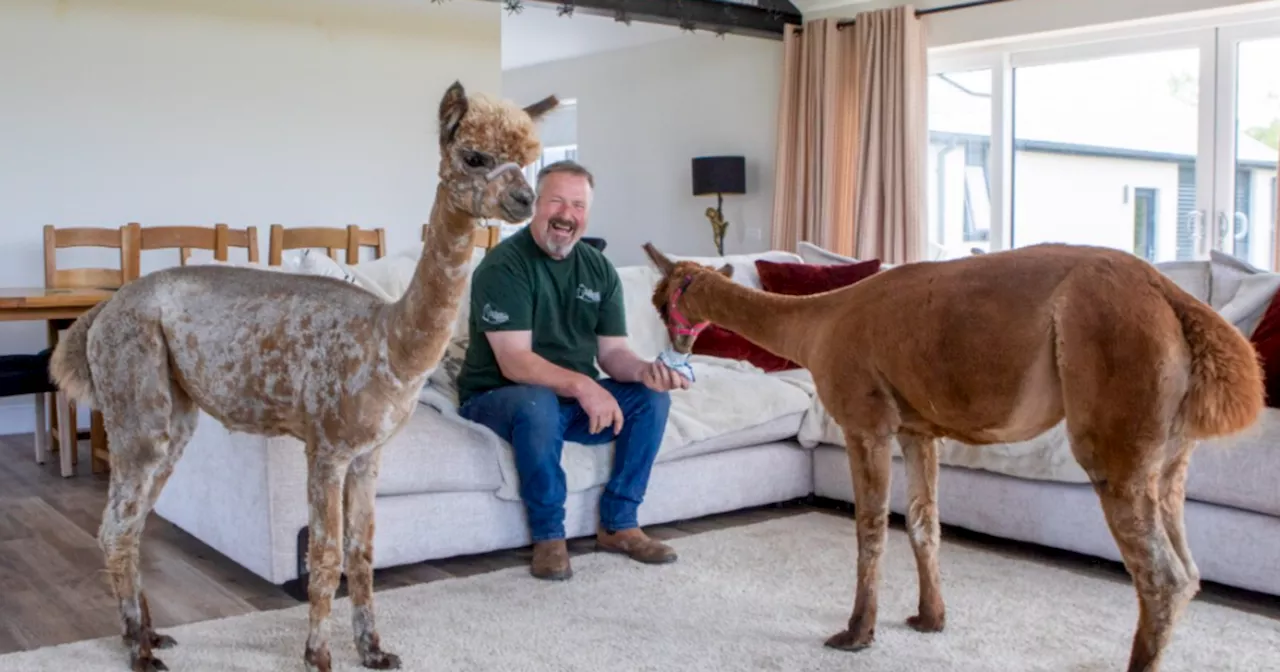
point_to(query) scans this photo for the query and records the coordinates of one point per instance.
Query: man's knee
(534, 405)
(523, 408)
(638, 399)
(658, 403)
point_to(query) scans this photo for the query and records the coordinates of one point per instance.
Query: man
(544, 310)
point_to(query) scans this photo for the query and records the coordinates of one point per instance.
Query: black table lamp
(719, 175)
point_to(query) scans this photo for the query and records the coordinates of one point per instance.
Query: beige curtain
(851, 137)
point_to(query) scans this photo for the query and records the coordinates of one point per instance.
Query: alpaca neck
(421, 322)
(778, 323)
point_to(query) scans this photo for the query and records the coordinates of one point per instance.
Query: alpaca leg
(361, 489)
(920, 457)
(134, 473)
(182, 425)
(1173, 495)
(869, 464)
(326, 474)
(1133, 511)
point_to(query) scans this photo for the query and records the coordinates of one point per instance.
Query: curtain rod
(926, 12)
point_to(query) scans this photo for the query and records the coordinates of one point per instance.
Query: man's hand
(659, 378)
(600, 406)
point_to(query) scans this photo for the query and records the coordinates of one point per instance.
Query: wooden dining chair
(351, 238)
(63, 433)
(485, 238)
(218, 239)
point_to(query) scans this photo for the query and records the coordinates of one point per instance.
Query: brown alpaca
(277, 354)
(1000, 348)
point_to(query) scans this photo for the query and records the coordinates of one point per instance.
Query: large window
(1161, 144)
(959, 191)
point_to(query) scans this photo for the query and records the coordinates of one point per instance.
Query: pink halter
(682, 325)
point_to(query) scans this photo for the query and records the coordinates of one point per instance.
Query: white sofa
(738, 438)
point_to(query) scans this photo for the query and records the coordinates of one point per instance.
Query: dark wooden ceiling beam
(766, 18)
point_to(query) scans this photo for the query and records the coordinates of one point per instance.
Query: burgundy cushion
(1266, 340)
(799, 279)
(716, 341)
(781, 278)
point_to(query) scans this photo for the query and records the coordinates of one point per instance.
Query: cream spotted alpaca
(277, 354)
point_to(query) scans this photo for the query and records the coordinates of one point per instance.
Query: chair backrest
(331, 239)
(484, 238)
(124, 239)
(218, 238)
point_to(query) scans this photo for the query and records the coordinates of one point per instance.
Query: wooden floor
(53, 589)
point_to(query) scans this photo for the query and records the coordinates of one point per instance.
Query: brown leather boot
(635, 544)
(551, 560)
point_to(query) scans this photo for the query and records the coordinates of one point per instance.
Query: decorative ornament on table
(513, 6)
(621, 16)
(565, 9)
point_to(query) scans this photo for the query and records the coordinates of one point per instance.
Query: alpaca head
(683, 324)
(484, 146)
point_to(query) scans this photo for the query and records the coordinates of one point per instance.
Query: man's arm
(618, 361)
(518, 361)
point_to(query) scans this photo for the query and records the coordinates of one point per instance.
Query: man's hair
(566, 166)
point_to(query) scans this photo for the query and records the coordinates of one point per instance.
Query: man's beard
(568, 228)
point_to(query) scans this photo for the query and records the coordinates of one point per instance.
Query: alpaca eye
(476, 160)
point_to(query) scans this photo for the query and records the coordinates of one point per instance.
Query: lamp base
(718, 225)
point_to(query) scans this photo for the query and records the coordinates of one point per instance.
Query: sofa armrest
(244, 495)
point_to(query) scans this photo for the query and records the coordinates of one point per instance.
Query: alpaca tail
(1226, 391)
(69, 364)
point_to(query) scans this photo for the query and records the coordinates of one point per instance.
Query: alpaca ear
(664, 265)
(726, 270)
(453, 107)
(539, 109)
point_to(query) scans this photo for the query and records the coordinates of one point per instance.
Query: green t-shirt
(565, 303)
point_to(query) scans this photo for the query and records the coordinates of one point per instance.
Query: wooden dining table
(42, 304)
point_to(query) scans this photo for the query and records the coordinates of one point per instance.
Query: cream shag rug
(758, 597)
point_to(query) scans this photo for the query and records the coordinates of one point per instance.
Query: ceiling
(537, 35)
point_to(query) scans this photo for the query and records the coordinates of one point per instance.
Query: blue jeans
(537, 422)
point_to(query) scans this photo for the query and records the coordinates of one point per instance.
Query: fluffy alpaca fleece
(311, 357)
(1000, 348)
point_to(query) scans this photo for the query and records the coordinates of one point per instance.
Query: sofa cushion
(432, 454)
(716, 341)
(731, 405)
(1193, 275)
(1240, 470)
(1266, 340)
(805, 279)
(744, 265)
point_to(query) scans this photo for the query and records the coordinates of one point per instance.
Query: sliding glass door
(1162, 144)
(1247, 137)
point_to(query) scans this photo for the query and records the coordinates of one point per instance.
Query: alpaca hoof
(159, 641)
(846, 640)
(380, 660)
(927, 623)
(148, 664)
(317, 660)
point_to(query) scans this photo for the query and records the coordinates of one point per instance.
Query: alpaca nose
(522, 197)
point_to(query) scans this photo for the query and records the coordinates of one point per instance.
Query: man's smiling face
(560, 213)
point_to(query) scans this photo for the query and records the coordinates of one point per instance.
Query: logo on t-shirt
(587, 294)
(493, 315)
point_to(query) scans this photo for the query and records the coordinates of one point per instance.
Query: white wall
(204, 111)
(645, 112)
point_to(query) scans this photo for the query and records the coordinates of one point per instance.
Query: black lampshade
(719, 175)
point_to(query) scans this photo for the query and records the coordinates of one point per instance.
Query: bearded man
(544, 310)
